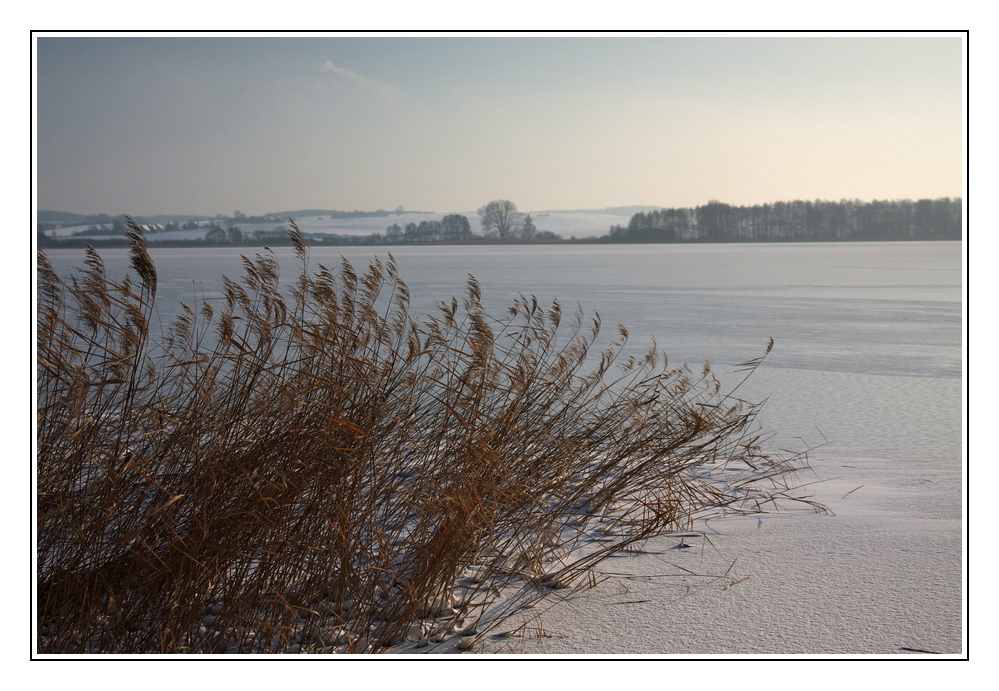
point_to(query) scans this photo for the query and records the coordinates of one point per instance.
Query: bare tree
(500, 218)
(528, 231)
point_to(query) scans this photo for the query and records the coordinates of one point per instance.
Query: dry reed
(330, 474)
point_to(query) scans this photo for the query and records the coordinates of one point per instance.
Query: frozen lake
(868, 362)
(864, 331)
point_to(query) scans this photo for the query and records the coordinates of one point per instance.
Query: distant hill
(170, 218)
(629, 210)
(61, 217)
(332, 213)
(66, 218)
(615, 210)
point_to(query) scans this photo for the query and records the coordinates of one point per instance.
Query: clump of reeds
(319, 473)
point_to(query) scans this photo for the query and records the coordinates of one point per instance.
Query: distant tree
(428, 231)
(234, 235)
(528, 231)
(714, 221)
(216, 235)
(500, 218)
(393, 233)
(456, 228)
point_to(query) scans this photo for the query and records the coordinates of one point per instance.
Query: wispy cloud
(366, 83)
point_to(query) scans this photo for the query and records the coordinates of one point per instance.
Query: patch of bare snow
(873, 578)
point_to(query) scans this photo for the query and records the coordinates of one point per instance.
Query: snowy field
(566, 224)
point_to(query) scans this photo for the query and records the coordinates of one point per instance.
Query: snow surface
(876, 578)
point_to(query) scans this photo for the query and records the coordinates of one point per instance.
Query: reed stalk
(322, 471)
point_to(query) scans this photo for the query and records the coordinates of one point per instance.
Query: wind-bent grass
(319, 474)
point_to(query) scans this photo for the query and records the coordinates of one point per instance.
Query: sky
(207, 124)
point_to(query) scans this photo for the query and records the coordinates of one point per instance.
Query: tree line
(451, 228)
(846, 220)
(500, 221)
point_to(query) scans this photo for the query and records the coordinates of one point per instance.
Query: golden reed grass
(328, 473)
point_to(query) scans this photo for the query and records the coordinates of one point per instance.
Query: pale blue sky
(207, 125)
